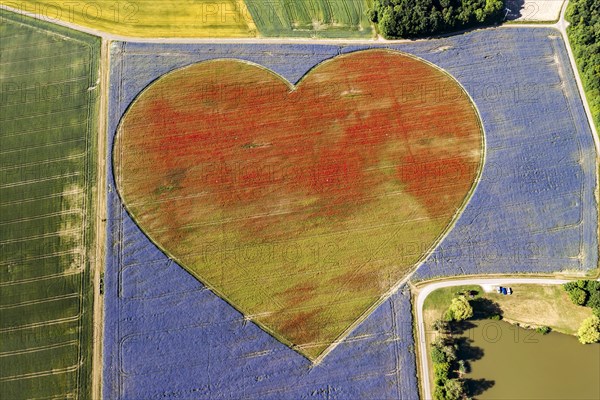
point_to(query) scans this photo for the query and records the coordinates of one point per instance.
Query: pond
(508, 362)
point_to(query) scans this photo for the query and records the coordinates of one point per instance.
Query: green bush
(450, 352)
(412, 18)
(439, 393)
(589, 331)
(584, 293)
(574, 284)
(460, 309)
(578, 296)
(455, 389)
(544, 330)
(441, 370)
(462, 367)
(437, 355)
(441, 326)
(593, 300)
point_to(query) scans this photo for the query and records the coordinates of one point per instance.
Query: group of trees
(446, 364)
(584, 35)
(586, 293)
(413, 18)
(447, 368)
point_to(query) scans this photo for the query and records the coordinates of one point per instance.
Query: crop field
(312, 18)
(148, 18)
(532, 211)
(319, 167)
(47, 176)
(209, 18)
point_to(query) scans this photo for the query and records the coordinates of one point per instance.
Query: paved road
(426, 290)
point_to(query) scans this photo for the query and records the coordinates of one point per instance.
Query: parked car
(509, 291)
(504, 291)
(499, 289)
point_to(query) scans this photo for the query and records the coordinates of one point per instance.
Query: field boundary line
(42, 324)
(43, 130)
(52, 255)
(41, 374)
(74, 211)
(40, 301)
(40, 348)
(35, 181)
(100, 240)
(42, 236)
(43, 162)
(42, 114)
(34, 72)
(57, 143)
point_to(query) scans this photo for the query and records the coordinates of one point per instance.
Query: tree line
(414, 18)
(584, 35)
(586, 293)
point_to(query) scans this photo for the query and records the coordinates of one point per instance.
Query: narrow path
(100, 222)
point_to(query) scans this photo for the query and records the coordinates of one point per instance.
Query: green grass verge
(312, 18)
(529, 305)
(439, 300)
(48, 132)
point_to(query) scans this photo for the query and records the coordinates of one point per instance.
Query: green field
(311, 18)
(208, 18)
(47, 174)
(347, 206)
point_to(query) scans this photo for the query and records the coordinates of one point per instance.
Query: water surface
(526, 365)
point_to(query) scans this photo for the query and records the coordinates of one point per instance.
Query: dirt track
(100, 215)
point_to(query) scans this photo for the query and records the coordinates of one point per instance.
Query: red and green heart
(304, 205)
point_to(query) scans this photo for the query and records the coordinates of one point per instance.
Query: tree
(462, 367)
(439, 393)
(441, 371)
(593, 299)
(460, 309)
(578, 296)
(589, 331)
(437, 355)
(455, 389)
(441, 326)
(450, 352)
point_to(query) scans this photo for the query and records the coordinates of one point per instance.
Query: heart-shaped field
(302, 206)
